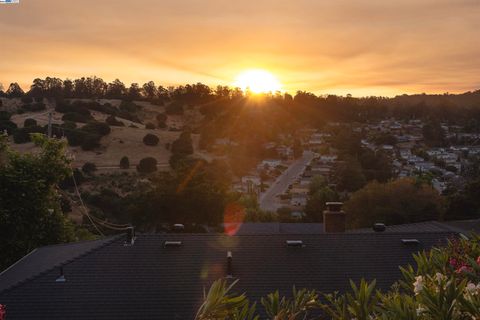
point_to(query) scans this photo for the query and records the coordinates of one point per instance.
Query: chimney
(334, 218)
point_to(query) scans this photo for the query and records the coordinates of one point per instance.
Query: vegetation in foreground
(445, 285)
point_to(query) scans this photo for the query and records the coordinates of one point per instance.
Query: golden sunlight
(257, 81)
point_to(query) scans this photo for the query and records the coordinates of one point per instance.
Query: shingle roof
(149, 281)
(250, 228)
(44, 258)
(427, 226)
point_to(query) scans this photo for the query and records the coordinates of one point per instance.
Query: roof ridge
(65, 262)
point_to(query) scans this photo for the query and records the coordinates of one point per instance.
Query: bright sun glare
(257, 81)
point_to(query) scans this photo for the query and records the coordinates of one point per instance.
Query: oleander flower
(418, 284)
(471, 288)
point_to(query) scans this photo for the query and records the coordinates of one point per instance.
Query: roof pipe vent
(229, 265)
(130, 236)
(61, 277)
(294, 243)
(169, 244)
(178, 227)
(379, 227)
(410, 242)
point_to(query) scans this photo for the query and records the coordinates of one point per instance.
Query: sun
(257, 81)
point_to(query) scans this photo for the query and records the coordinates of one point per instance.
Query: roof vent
(130, 237)
(294, 243)
(410, 242)
(61, 277)
(379, 227)
(229, 265)
(178, 227)
(168, 244)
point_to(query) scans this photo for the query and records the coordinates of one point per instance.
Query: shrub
(162, 117)
(174, 108)
(69, 125)
(99, 128)
(124, 163)
(89, 168)
(7, 125)
(90, 142)
(5, 115)
(22, 135)
(29, 122)
(111, 120)
(150, 139)
(77, 117)
(34, 107)
(26, 99)
(147, 165)
(128, 106)
(150, 126)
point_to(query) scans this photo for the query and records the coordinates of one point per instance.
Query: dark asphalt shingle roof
(44, 258)
(149, 281)
(251, 228)
(427, 226)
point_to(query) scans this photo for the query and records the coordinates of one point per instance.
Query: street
(268, 200)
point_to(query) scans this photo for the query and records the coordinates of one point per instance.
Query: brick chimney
(334, 218)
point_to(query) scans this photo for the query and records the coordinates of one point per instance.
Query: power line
(83, 205)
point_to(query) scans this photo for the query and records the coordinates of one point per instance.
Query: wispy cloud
(363, 47)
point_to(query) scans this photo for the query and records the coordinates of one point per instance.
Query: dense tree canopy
(396, 202)
(30, 214)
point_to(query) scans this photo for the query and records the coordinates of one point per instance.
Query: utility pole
(49, 125)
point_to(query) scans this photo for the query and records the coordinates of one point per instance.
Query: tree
(14, 91)
(183, 145)
(150, 139)
(316, 203)
(297, 149)
(124, 163)
(29, 122)
(433, 134)
(30, 214)
(147, 165)
(89, 167)
(349, 175)
(396, 202)
(149, 90)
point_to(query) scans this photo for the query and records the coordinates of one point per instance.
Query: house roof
(151, 281)
(251, 228)
(461, 226)
(44, 258)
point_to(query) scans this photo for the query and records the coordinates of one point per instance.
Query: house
(270, 163)
(162, 276)
(299, 200)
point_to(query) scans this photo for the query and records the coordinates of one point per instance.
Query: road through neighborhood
(268, 200)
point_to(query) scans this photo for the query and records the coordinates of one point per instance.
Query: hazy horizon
(363, 47)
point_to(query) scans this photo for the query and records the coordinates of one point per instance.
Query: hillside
(124, 139)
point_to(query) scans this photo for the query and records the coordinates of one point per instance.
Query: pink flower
(464, 268)
(453, 262)
(2, 312)
(478, 260)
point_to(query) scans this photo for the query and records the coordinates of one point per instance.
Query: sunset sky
(363, 47)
